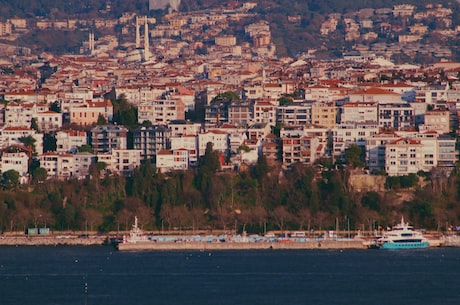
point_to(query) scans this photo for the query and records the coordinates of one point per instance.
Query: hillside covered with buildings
(195, 119)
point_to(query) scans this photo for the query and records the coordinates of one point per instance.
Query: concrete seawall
(206, 246)
(49, 241)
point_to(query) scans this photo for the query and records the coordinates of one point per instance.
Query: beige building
(324, 114)
(438, 120)
(89, 112)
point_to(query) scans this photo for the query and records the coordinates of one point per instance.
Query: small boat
(402, 236)
(136, 234)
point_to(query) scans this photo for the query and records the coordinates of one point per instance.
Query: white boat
(402, 236)
(136, 234)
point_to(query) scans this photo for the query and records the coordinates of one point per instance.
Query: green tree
(28, 142)
(210, 161)
(49, 142)
(10, 179)
(101, 120)
(34, 125)
(39, 174)
(85, 148)
(225, 97)
(354, 156)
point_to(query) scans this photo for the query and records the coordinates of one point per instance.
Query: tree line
(263, 197)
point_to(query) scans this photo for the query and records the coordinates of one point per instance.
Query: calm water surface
(101, 275)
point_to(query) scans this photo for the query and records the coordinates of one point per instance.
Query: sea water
(104, 276)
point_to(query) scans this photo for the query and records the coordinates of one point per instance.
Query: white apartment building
(375, 149)
(137, 95)
(174, 159)
(349, 133)
(265, 112)
(358, 112)
(179, 128)
(11, 135)
(18, 161)
(48, 121)
(124, 161)
(219, 139)
(58, 165)
(377, 95)
(161, 111)
(405, 156)
(188, 142)
(70, 140)
(21, 114)
(82, 164)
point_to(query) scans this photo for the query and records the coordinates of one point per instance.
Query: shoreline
(222, 246)
(51, 241)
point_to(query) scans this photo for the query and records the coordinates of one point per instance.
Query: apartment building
(219, 139)
(324, 114)
(188, 142)
(89, 112)
(294, 114)
(18, 161)
(151, 139)
(358, 112)
(12, 135)
(161, 111)
(265, 112)
(70, 140)
(438, 120)
(241, 113)
(405, 156)
(125, 161)
(345, 134)
(105, 138)
(48, 121)
(396, 116)
(299, 150)
(58, 165)
(174, 159)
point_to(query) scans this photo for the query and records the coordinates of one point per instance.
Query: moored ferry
(402, 236)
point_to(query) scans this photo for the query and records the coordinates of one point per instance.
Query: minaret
(138, 34)
(146, 42)
(91, 43)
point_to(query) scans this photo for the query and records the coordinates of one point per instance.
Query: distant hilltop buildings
(162, 4)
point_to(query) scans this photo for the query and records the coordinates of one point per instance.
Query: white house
(174, 159)
(70, 140)
(18, 161)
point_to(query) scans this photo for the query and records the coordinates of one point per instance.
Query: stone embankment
(208, 246)
(50, 241)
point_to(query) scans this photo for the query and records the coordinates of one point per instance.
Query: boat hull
(405, 245)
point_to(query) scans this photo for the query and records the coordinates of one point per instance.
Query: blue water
(58, 275)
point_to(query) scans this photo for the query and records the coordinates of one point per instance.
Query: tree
(210, 161)
(28, 142)
(225, 97)
(101, 120)
(55, 106)
(49, 142)
(354, 156)
(10, 179)
(39, 174)
(34, 125)
(85, 148)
